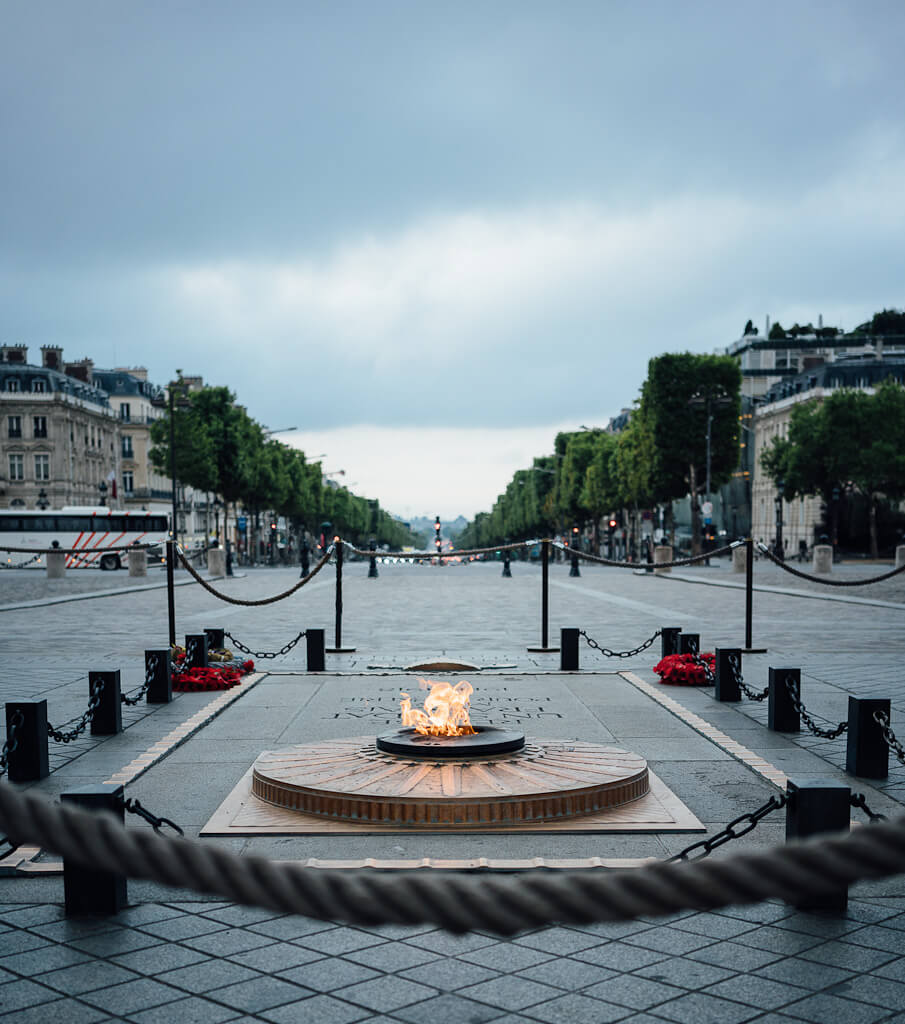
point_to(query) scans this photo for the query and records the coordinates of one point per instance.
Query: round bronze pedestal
(351, 780)
(486, 741)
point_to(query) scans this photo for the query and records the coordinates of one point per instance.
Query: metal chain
(136, 696)
(607, 653)
(826, 734)
(21, 565)
(736, 670)
(730, 832)
(285, 649)
(134, 807)
(702, 663)
(882, 719)
(12, 741)
(859, 800)
(65, 737)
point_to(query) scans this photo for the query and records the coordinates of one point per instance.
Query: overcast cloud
(374, 219)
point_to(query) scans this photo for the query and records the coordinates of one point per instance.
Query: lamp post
(42, 501)
(710, 401)
(218, 504)
(102, 487)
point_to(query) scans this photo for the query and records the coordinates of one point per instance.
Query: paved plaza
(175, 955)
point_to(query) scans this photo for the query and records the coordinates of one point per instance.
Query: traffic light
(437, 540)
(611, 525)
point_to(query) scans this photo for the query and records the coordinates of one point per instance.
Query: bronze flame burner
(484, 742)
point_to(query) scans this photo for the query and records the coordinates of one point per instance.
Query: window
(12, 384)
(37, 385)
(42, 468)
(124, 412)
(14, 426)
(40, 426)
(128, 482)
(17, 467)
(127, 447)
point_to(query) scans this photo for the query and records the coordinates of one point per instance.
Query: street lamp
(218, 504)
(42, 501)
(779, 550)
(710, 401)
(102, 487)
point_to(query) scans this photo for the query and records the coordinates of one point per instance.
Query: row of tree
(218, 448)
(661, 455)
(851, 443)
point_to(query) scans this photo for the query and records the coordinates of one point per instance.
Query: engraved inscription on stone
(381, 706)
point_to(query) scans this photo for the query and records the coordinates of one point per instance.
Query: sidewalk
(175, 955)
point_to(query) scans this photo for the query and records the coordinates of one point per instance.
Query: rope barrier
(819, 579)
(79, 551)
(588, 557)
(20, 565)
(264, 600)
(503, 904)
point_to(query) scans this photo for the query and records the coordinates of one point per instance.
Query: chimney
(14, 354)
(138, 372)
(82, 370)
(767, 327)
(52, 357)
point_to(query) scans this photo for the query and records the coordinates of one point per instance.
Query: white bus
(87, 529)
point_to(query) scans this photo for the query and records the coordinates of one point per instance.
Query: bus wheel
(109, 562)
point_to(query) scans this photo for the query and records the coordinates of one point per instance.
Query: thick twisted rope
(504, 904)
(588, 557)
(367, 553)
(78, 551)
(263, 600)
(820, 579)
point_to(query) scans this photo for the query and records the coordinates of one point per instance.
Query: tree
(680, 391)
(750, 329)
(600, 492)
(776, 332)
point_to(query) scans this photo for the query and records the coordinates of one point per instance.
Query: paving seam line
(765, 588)
(90, 595)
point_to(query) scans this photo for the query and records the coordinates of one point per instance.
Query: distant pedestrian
(304, 555)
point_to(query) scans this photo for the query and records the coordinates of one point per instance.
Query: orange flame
(445, 710)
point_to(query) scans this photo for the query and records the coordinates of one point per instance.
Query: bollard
(56, 565)
(823, 558)
(662, 553)
(314, 639)
(726, 688)
(669, 640)
(160, 688)
(544, 599)
(171, 590)
(216, 641)
(900, 556)
(507, 571)
(372, 567)
(816, 806)
(87, 890)
(337, 647)
(866, 752)
(690, 643)
(196, 647)
(28, 760)
(781, 713)
(740, 558)
(216, 562)
(108, 717)
(574, 571)
(568, 655)
(138, 562)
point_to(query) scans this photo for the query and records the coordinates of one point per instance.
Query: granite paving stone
(316, 1010)
(823, 1007)
(757, 991)
(878, 937)
(669, 940)
(386, 993)
(261, 993)
(734, 957)
(684, 973)
(872, 989)
(450, 945)
(328, 974)
(700, 1008)
(278, 956)
(578, 1009)
(847, 956)
(447, 1009)
(192, 1010)
(561, 941)
(60, 1011)
(449, 975)
(224, 943)
(339, 940)
(85, 977)
(620, 957)
(510, 992)
(207, 975)
(158, 959)
(45, 958)
(124, 940)
(20, 942)
(239, 916)
(804, 973)
(132, 996)
(504, 956)
(15, 995)
(633, 991)
(778, 940)
(392, 956)
(177, 929)
(566, 973)
(290, 928)
(714, 926)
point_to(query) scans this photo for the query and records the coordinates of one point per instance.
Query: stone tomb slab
(550, 707)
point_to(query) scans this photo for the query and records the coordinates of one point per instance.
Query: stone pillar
(823, 558)
(662, 553)
(900, 556)
(56, 565)
(138, 562)
(216, 562)
(740, 558)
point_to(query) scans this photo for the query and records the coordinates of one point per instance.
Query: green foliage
(886, 322)
(776, 332)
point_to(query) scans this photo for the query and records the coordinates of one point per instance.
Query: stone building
(60, 438)
(802, 516)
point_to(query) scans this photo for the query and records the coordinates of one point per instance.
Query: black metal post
(372, 567)
(573, 547)
(669, 640)
(160, 690)
(87, 890)
(749, 592)
(171, 590)
(28, 760)
(314, 639)
(817, 806)
(545, 593)
(726, 688)
(507, 571)
(196, 650)
(216, 640)
(108, 716)
(568, 656)
(866, 754)
(781, 713)
(690, 643)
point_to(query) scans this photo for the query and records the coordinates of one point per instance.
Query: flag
(111, 480)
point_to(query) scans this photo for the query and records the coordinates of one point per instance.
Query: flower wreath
(686, 669)
(214, 677)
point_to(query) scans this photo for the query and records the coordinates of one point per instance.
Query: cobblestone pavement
(176, 956)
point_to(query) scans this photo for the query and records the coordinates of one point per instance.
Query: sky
(429, 236)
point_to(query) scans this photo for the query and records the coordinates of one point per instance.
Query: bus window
(11, 524)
